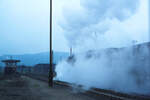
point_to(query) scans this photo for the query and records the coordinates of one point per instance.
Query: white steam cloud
(125, 70)
(96, 24)
(91, 21)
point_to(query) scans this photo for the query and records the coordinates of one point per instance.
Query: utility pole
(149, 18)
(50, 82)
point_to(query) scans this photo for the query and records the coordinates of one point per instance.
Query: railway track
(110, 95)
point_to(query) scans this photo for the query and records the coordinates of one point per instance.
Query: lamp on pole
(51, 51)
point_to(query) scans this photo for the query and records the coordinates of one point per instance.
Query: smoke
(95, 19)
(102, 9)
(125, 70)
(94, 26)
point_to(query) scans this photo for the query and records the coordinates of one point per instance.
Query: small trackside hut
(10, 66)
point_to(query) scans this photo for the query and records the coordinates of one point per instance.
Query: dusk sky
(24, 24)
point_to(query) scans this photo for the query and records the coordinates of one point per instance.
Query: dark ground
(25, 88)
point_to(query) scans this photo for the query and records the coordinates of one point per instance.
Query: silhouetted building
(43, 69)
(24, 69)
(10, 66)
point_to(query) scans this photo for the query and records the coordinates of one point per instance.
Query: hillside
(32, 59)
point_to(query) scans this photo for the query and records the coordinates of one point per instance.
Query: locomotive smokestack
(71, 51)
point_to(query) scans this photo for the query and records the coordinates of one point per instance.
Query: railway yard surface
(27, 88)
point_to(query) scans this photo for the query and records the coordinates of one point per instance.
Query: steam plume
(93, 26)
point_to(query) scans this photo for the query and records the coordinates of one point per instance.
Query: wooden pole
(51, 51)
